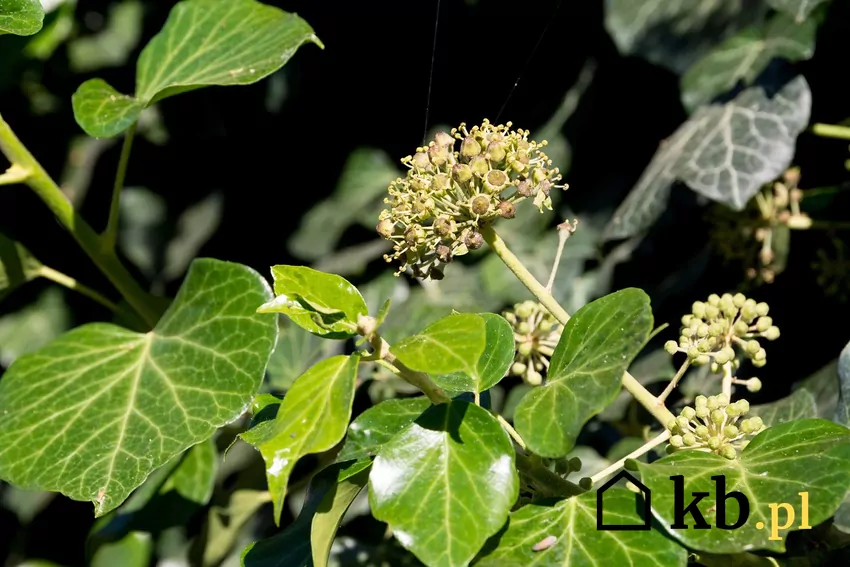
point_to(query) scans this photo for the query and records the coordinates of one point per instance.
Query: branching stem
(643, 449)
(511, 431)
(418, 379)
(545, 481)
(110, 235)
(69, 282)
(672, 385)
(635, 388)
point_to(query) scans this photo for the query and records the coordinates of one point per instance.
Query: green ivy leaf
(324, 304)
(312, 418)
(798, 9)
(21, 17)
(17, 265)
(799, 405)
(133, 550)
(329, 515)
(34, 326)
(445, 483)
(378, 425)
(454, 343)
(493, 364)
(725, 152)
(597, 346)
(296, 351)
(93, 413)
(194, 478)
(578, 543)
(226, 522)
(809, 455)
(203, 43)
(842, 410)
(745, 55)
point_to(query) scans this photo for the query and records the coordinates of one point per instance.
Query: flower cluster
(448, 194)
(710, 333)
(713, 426)
(536, 333)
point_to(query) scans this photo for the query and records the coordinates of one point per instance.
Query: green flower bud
(722, 400)
(701, 401)
(762, 309)
(461, 173)
(671, 347)
(586, 483)
(496, 152)
(682, 422)
(689, 440)
(688, 413)
(677, 441)
(506, 210)
(698, 309)
(480, 205)
(714, 300)
(748, 313)
(729, 452)
(753, 385)
(713, 403)
(525, 348)
(760, 355)
(469, 147)
(739, 299)
(722, 357)
(518, 368)
(702, 360)
(533, 377)
(693, 353)
(701, 431)
(718, 417)
(711, 312)
(575, 464)
(479, 166)
(702, 331)
(772, 333)
(759, 363)
(715, 330)
(741, 328)
(732, 410)
(730, 431)
(714, 443)
(763, 324)
(704, 346)
(523, 328)
(752, 347)
(386, 228)
(743, 406)
(526, 309)
(421, 161)
(726, 298)
(672, 425)
(757, 423)
(686, 319)
(747, 426)
(702, 412)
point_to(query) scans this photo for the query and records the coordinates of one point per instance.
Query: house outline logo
(647, 505)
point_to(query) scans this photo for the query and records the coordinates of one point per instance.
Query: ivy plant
(124, 412)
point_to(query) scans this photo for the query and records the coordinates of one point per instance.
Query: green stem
(69, 282)
(672, 385)
(13, 175)
(418, 379)
(547, 483)
(830, 225)
(645, 448)
(630, 383)
(110, 235)
(511, 431)
(726, 384)
(831, 131)
(48, 191)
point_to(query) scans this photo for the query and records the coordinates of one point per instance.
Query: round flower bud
(714, 299)
(743, 406)
(682, 422)
(711, 312)
(722, 357)
(739, 299)
(526, 309)
(722, 400)
(523, 328)
(386, 228)
(772, 333)
(704, 346)
(701, 401)
(757, 423)
(753, 385)
(525, 348)
(469, 147)
(759, 363)
(732, 410)
(479, 166)
(752, 346)
(689, 440)
(506, 210)
(715, 329)
(496, 180)
(444, 253)
(586, 483)
(702, 412)
(730, 431)
(762, 309)
(713, 403)
(677, 441)
(749, 312)
(473, 240)
(496, 152)
(518, 368)
(747, 426)
(671, 347)
(702, 360)
(701, 431)
(672, 425)
(718, 417)
(693, 353)
(760, 354)
(714, 443)
(728, 452)
(763, 324)
(461, 173)
(702, 331)
(688, 413)
(698, 309)
(741, 328)
(575, 464)
(533, 377)
(480, 205)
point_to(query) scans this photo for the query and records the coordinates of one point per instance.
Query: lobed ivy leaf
(675, 33)
(445, 483)
(723, 152)
(312, 418)
(578, 542)
(597, 345)
(809, 455)
(799, 9)
(194, 477)
(17, 265)
(21, 17)
(143, 398)
(330, 513)
(492, 365)
(327, 305)
(203, 43)
(799, 405)
(378, 425)
(454, 343)
(745, 55)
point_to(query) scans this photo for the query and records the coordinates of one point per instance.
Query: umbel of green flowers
(536, 333)
(437, 210)
(713, 330)
(714, 425)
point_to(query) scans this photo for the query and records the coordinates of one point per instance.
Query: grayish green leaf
(203, 43)
(112, 46)
(744, 56)
(577, 541)
(34, 326)
(312, 418)
(93, 413)
(842, 412)
(324, 304)
(195, 227)
(799, 405)
(452, 344)
(134, 550)
(361, 186)
(445, 483)
(597, 346)
(226, 522)
(17, 266)
(329, 515)
(296, 351)
(21, 17)
(378, 424)
(824, 386)
(724, 152)
(798, 9)
(675, 33)
(194, 478)
(141, 228)
(809, 455)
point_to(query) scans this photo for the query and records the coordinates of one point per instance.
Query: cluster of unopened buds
(536, 333)
(714, 425)
(437, 210)
(714, 329)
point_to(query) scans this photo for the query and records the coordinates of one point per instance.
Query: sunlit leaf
(810, 455)
(226, 522)
(194, 478)
(798, 9)
(203, 43)
(377, 425)
(744, 56)
(330, 513)
(596, 347)
(312, 418)
(21, 17)
(445, 483)
(452, 344)
(570, 530)
(17, 266)
(134, 550)
(724, 152)
(296, 351)
(141, 398)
